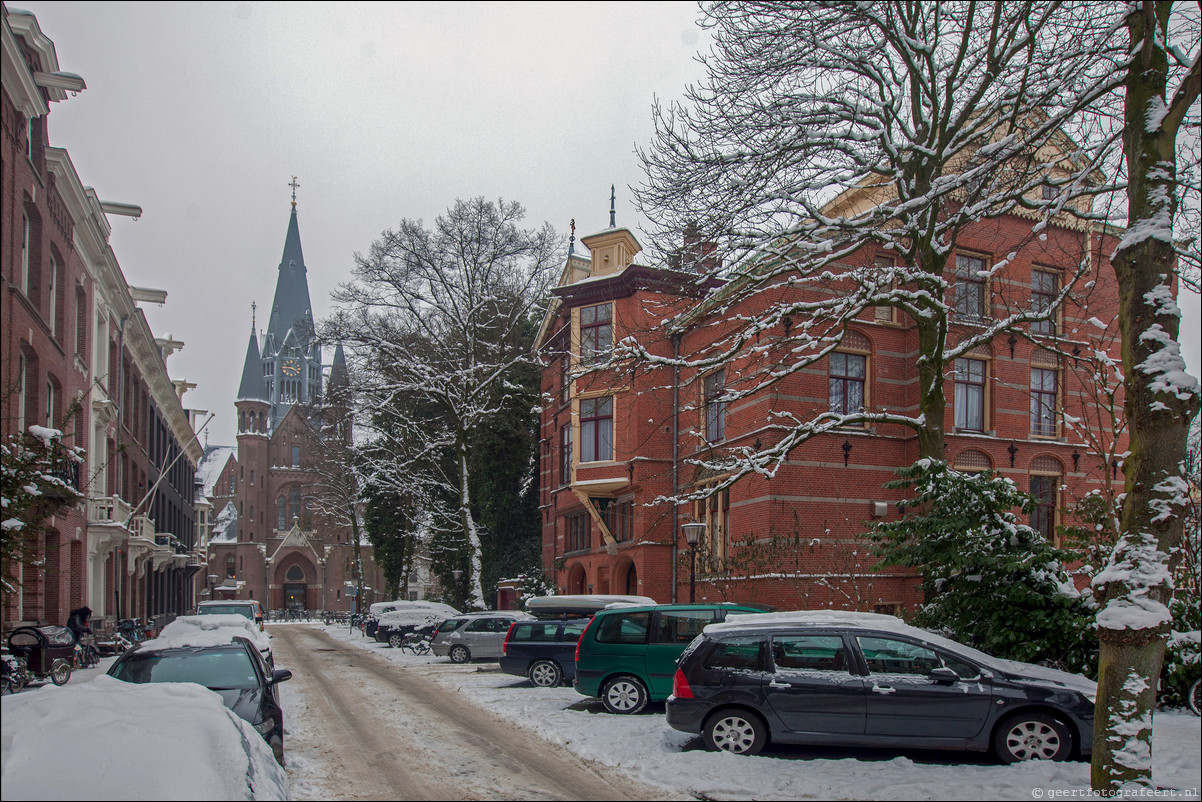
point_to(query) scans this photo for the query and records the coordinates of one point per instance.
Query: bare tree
(1162, 84)
(440, 317)
(826, 131)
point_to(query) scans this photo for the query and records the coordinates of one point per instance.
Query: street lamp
(692, 533)
(212, 582)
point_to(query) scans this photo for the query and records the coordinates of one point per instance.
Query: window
(714, 511)
(970, 395)
(625, 628)
(229, 566)
(715, 407)
(746, 653)
(1043, 517)
(565, 376)
(1044, 288)
(619, 517)
(969, 287)
(252, 477)
(847, 383)
(565, 444)
(578, 531)
(55, 283)
(296, 456)
(1043, 402)
(294, 503)
(809, 653)
(50, 401)
(26, 258)
(889, 656)
(681, 626)
(884, 314)
(596, 429)
(596, 333)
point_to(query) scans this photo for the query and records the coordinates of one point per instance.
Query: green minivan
(627, 655)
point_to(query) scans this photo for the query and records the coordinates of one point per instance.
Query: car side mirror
(943, 676)
(279, 675)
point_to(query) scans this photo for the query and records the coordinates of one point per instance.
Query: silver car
(474, 635)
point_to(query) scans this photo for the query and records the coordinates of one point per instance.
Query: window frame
(1042, 299)
(593, 427)
(577, 532)
(966, 278)
(565, 456)
(960, 405)
(593, 331)
(713, 406)
(885, 314)
(1045, 515)
(1047, 401)
(846, 380)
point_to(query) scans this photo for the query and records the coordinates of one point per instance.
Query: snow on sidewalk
(649, 750)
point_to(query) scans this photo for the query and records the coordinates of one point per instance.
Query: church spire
(252, 388)
(613, 196)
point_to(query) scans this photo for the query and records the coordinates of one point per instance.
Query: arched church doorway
(294, 589)
(576, 580)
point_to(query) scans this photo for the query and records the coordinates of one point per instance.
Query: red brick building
(617, 442)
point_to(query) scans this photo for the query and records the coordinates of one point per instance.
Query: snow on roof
(211, 465)
(210, 630)
(225, 525)
(107, 739)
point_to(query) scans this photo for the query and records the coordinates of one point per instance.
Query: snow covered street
(642, 749)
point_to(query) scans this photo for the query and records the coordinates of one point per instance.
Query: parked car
(233, 670)
(374, 611)
(474, 636)
(248, 608)
(542, 651)
(393, 627)
(106, 739)
(223, 629)
(627, 655)
(861, 679)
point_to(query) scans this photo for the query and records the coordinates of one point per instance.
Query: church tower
(290, 358)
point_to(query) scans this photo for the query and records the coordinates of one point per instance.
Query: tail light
(581, 639)
(680, 686)
(508, 635)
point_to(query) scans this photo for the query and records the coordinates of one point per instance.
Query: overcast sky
(201, 113)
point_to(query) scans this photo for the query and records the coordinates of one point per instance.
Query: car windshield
(244, 610)
(214, 668)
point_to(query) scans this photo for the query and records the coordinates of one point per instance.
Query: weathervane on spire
(294, 185)
(572, 239)
(612, 198)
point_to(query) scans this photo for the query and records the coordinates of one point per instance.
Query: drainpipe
(675, 453)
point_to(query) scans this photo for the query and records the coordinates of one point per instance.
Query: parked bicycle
(416, 643)
(86, 652)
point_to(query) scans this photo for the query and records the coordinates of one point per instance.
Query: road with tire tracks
(360, 727)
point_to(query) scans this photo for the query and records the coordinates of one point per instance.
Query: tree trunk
(1135, 588)
(476, 600)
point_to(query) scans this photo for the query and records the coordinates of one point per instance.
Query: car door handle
(775, 684)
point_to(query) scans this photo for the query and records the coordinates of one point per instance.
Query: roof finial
(612, 198)
(253, 307)
(294, 185)
(572, 239)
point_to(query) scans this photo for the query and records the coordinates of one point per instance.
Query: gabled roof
(211, 465)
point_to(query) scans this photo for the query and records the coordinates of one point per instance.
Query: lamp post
(212, 583)
(457, 573)
(692, 533)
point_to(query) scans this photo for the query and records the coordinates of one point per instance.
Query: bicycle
(86, 653)
(416, 643)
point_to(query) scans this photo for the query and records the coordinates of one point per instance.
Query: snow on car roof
(108, 739)
(209, 630)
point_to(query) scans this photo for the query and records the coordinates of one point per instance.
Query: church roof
(339, 375)
(208, 471)
(291, 303)
(252, 388)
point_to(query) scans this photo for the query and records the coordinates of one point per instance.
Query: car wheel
(735, 731)
(395, 641)
(60, 672)
(624, 695)
(460, 654)
(1031, 736)
(1194, 697)
(545, 674)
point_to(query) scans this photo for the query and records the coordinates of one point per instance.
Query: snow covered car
(194, 629)
(474, 635)
(249, 608)
(377, 610)
(862, 679)
(394, 626)
(232, 668)
(106, 739)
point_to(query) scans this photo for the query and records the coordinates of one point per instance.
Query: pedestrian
(80, 622)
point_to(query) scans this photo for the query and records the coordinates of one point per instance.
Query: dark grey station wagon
(861, 679)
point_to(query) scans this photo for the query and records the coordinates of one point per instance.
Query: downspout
(675, 453)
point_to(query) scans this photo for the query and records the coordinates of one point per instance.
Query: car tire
(545, 674)
(736, 731)
(459, 654)
(395, 641)
(624, 695)
(60, 672)
(1194, 698)
(1032, 736)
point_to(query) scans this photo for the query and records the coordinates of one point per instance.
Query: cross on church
(294, 185)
